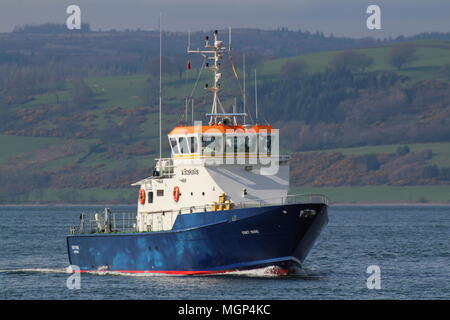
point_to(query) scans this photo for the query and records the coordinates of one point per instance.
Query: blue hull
(207, 242)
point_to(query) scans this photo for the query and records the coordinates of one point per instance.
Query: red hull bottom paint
(156, 272)
(275, 270)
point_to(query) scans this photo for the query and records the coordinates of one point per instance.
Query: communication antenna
(192, 110)
(160, 85)
(256, 99)
(245, 97)
(189, 41)
(186, 110)
(214, 52)
(235, 111)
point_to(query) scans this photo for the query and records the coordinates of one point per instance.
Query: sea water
(408, 246)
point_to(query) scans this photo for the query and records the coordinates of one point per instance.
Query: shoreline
(338, 204)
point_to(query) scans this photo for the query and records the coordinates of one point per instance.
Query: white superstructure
(214, 167)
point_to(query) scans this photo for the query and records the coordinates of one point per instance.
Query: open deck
(125, 222)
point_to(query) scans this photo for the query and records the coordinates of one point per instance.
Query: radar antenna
(215, 53)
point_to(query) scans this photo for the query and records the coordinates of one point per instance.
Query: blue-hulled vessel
(219, 203)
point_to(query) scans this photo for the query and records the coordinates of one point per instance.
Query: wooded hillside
(78, 112)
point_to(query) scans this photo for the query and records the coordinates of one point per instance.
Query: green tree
(111, 132)
(292, 70)
(372, 162)
(7, 117)
(445, 71)
(169, 65)
(399, 56)
(251, 62)
(402, 150)
(351, 61)
(151, 91)
(82, 95)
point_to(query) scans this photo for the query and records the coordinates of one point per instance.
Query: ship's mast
(245, 96)
(256, 99)
(218, 53)
(215, 53)
(160, 85)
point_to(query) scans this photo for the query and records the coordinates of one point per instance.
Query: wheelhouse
(222, 142)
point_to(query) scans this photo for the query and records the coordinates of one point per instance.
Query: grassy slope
(127, 92)
(90, 195)
(362, 194)
(431, 55)
(441, 151)
(378, 194)
(13, 146)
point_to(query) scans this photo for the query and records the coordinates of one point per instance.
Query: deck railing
(105, 223)
(109, 222)
(164, 167)
(290, 199)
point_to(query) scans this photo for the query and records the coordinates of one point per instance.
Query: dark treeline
(316, 98)
(93, 53)
(345, 106)
(41, 58)
(397, 169)
(49, 28)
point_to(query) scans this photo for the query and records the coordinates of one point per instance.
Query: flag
(234, 71)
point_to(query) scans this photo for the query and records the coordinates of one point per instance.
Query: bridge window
(265, 143)
(230, 144)
(183, 144)
(193, 144)
(208, 143)
(211, 144)
(236, 144)
(240, 144)
(174, 145)
(250, 143)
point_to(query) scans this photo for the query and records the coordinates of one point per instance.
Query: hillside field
(127, 96)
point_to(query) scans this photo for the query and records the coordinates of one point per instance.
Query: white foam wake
(37, 270)
(277, 272)
(270, 272)
(266, 272)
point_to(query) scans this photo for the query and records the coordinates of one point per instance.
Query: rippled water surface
(410, 245)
